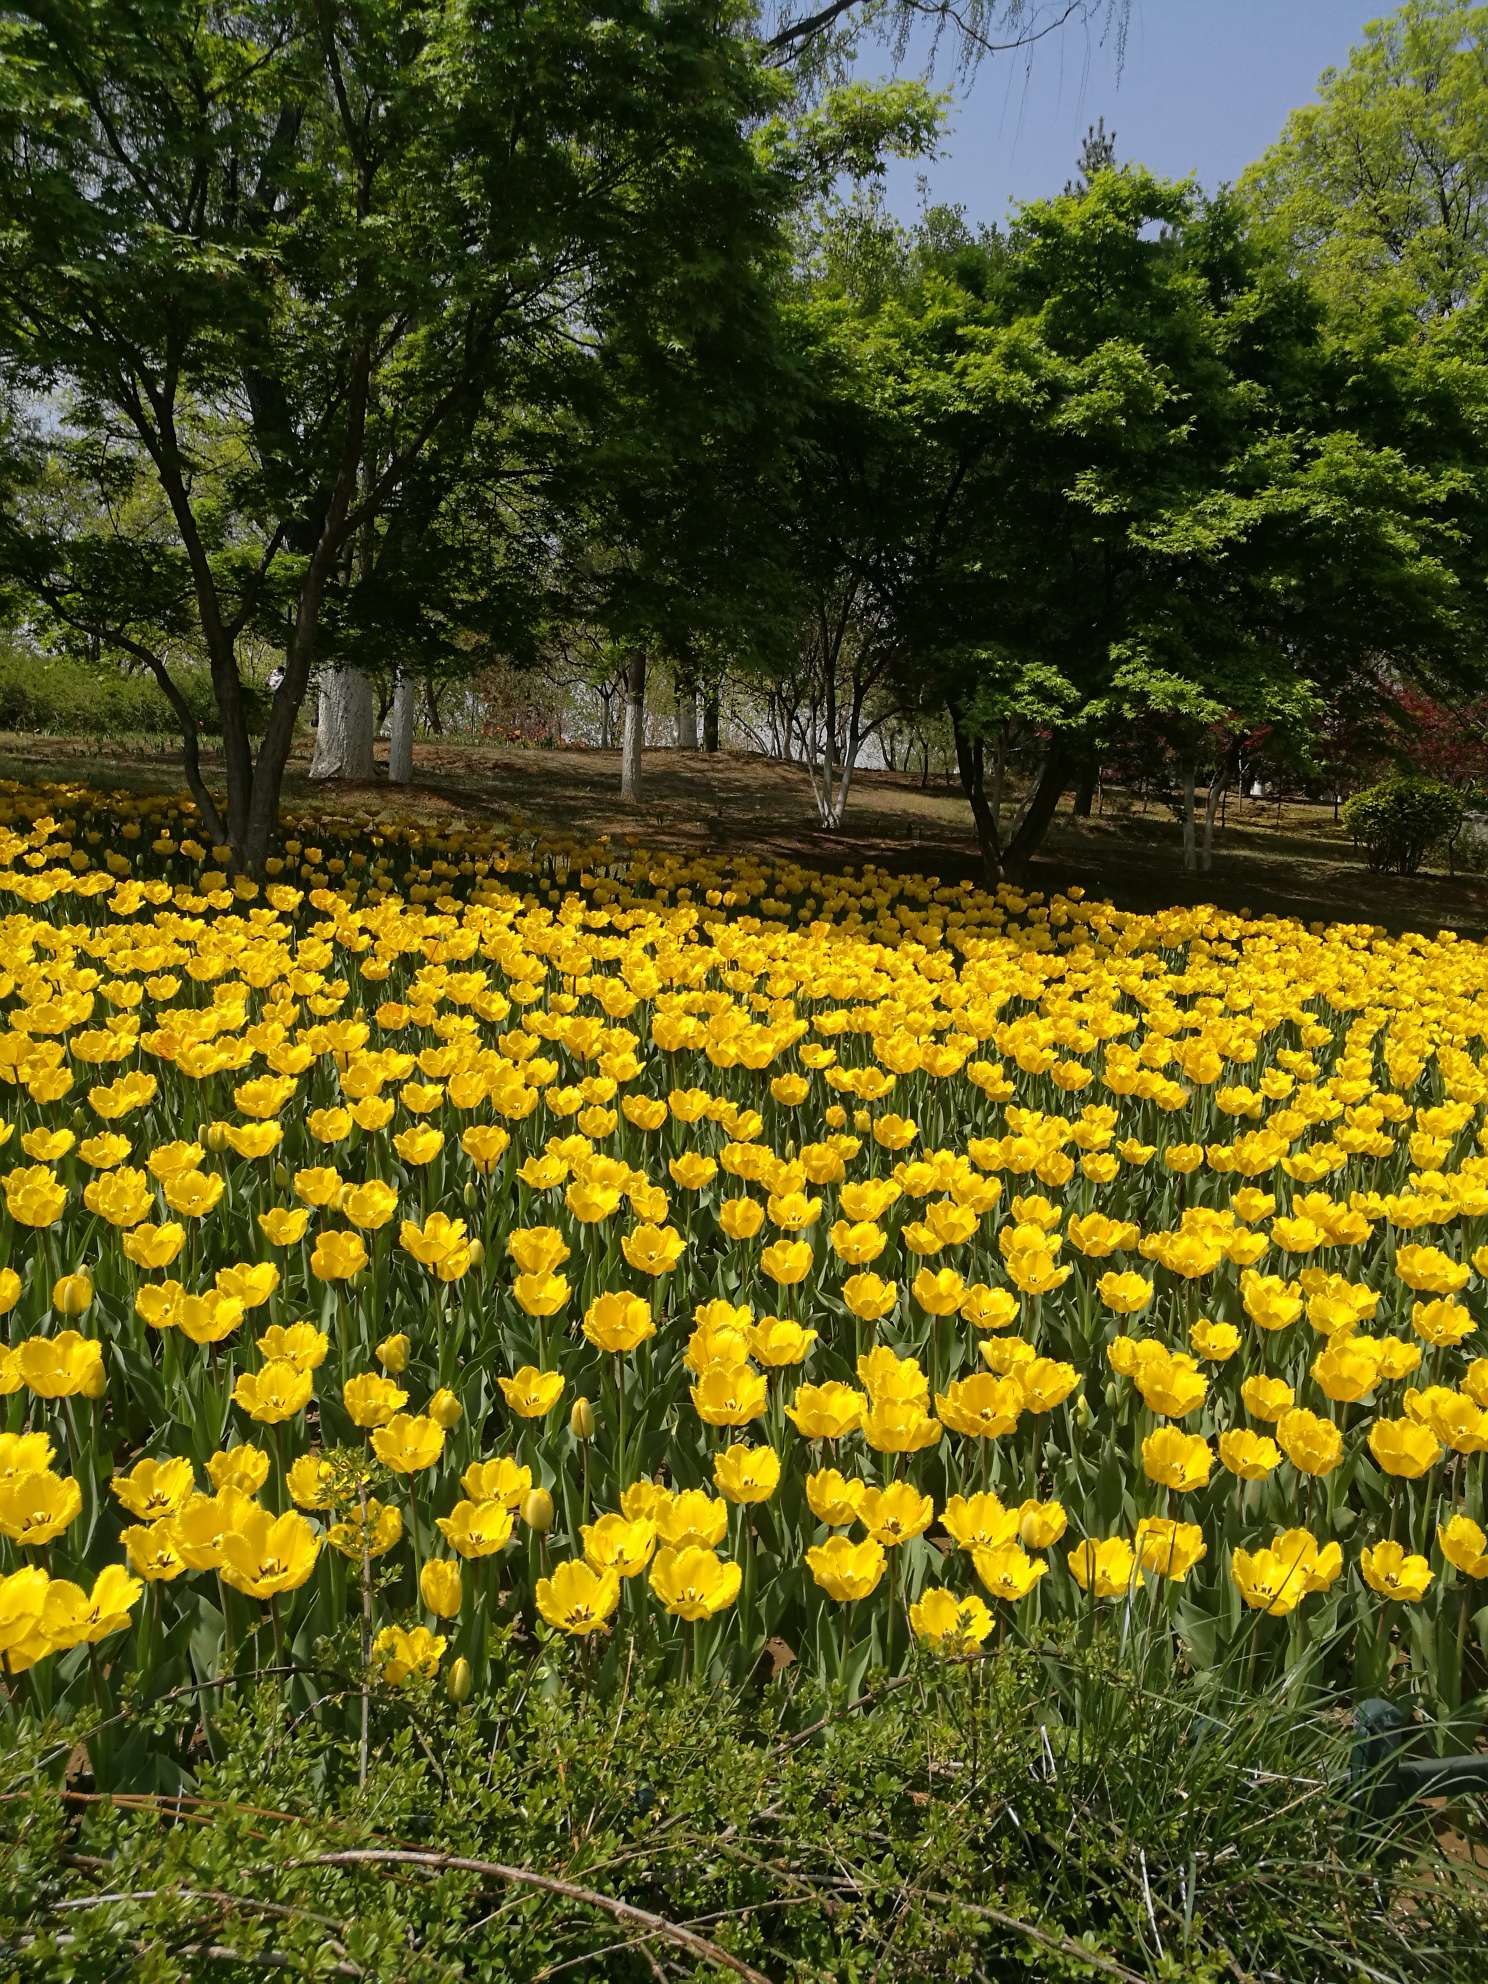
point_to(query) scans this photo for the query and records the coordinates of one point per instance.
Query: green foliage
(951, 1825)
(318, 296)
(1381, 186)
(1115, 471)
(853, 129)
(59, 695)
(1399, 821)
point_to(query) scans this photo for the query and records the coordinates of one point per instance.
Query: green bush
(950, 1825)
(58, 695)
(1399, 821)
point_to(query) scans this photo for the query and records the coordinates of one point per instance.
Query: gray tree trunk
(1218, 786)
(635, 727)
(400, 732)
(687, 723)
(1190, 849)
(343, 735)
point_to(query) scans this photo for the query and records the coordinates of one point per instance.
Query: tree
(1181, 501)
(865, 504)
(330, 240)
(1097, 154)
(819, 36)
(669, 538)
(1380, 188)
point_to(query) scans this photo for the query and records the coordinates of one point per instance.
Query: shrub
(58, 695)
(1399, 821)
(951, 1826)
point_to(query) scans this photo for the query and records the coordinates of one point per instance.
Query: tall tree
(1180, 500)
(336, 234)
(1380, 188)
(1097, 154)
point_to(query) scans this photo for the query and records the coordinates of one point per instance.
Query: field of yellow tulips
(456, 1240)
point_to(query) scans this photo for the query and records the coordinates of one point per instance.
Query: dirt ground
(1293, 859)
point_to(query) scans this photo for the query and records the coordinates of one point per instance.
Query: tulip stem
(893, 1628)
(746, 1605)
(620, 1424)
(278, 1625)
(413, 1533)
(1464, 1615)
(98, 1745)
(366, 1706)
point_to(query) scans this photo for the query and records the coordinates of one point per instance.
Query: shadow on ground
(1290, 860)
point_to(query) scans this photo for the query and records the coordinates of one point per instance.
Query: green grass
(1028, 1816)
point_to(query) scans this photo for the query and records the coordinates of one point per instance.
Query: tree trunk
(635, 727)
(970, 763)
(999, 775)
(343, 737)
(1219, 785)
(400, 732)
(606, 720)
(1190, 847)
(829, 743)
(687, 723)
(1085, 788)
(1028, 837)
(710, 717)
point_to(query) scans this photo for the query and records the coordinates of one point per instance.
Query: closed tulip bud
(439, 1586)
(72, 1295)
(95, 1383)
(470, 1196)
(1112, 1393)
(445, 1409)
(477, 1254)
(282, 1175)
(537, 1510)
(581, 1420)
(216, 1137)
(392, 1354)
(1083, 1415)
(459, 1680)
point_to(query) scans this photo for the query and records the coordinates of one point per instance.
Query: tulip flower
(694, 1582)
(847, 1571)
(950, 1623)
(408, 1442)
(577, 1599)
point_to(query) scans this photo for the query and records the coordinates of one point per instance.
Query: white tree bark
(635, 727)
(400, 732)
(687, 723)
(343, 734)
(1190, 849)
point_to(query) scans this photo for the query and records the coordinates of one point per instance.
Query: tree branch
(623, 1911)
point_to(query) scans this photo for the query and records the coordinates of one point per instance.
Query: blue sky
(1206, 85)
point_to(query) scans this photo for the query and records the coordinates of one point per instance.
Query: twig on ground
(496, 1870)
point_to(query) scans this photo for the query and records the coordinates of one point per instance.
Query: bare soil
(1288, 859)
